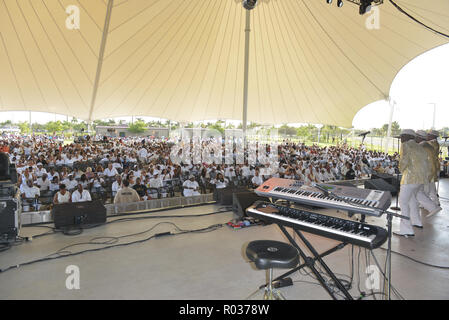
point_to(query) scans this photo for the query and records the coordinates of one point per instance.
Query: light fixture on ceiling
(249, 4)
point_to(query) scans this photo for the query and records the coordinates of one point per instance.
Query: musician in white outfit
(414, 170)
(432, 139)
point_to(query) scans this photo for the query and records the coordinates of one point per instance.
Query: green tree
(24, 127)
(139, 126)
(288, 131)
(54, 126)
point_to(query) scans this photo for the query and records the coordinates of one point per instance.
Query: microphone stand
(390, 216)
(397, 208)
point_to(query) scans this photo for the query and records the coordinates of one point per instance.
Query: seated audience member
(62, 196)
(350, 173)
(54, 185)
(30, 195)
(256, 180)
(156, 183)
(191, 187)
(390, 169)
(116, 185)
(141, 189)
(126, 194)
(81, 195)
(43, 183)
(220, 182)
(110, 171)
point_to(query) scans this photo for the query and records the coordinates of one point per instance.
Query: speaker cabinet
(242, 200)
(78, 214)
(380, 184)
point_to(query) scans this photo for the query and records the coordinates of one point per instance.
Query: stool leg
(268, 295)
(270, 292)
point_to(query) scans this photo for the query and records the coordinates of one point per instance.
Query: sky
(421, 83)
(421, 87)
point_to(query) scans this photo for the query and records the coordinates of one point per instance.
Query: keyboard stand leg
(309, 262)
(322, 255)
(324, 265)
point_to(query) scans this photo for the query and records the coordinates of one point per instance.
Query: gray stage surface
(208, 265)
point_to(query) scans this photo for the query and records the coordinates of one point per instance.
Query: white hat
(408, 132)
(433, 133)
(421, 134)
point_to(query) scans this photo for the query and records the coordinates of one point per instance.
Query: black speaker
(380, 184)
(242, 200)
(385, 176)
(9, 219)
(224, 196)
(4, 166)
(78, 214)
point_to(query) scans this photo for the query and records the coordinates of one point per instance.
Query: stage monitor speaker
(4, 166)
(380, 184)
(242, 200)
(76, 215)
(224, 196)
(9, 219)
(385, 176)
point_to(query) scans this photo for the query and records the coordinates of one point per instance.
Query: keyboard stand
(310, 262)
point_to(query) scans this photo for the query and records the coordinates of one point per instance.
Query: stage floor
(210, 265)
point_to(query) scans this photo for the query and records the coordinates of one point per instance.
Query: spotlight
(249, 4)
(365, 6)
(340, 3)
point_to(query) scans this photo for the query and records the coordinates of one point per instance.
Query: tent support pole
(245, 81)
(100, 56)
(390, 121)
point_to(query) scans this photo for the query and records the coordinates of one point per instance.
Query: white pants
(409, 208)
(431, 191)
(410, 198)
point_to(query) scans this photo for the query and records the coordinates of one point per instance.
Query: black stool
(269, 254)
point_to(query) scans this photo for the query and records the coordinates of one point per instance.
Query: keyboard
(353, 232)
(351, 199)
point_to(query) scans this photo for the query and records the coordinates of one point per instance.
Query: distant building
(123, 131)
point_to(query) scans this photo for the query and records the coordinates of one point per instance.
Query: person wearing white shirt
(81, 195)
(246, 171)
(257, 179)
(54, 185)
(117, 185)
(69, 161)
(390, 170)
(62, 196)
(70, 182)
(220, 182)
(29, 191)
(30, 194)
(191, 187)
(43, 183)
(40, 170)
(157, 183)
(143, 153)
(110, 171)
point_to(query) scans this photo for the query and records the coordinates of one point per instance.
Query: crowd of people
(101, 168)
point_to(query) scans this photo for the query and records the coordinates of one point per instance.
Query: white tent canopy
(183, 60)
